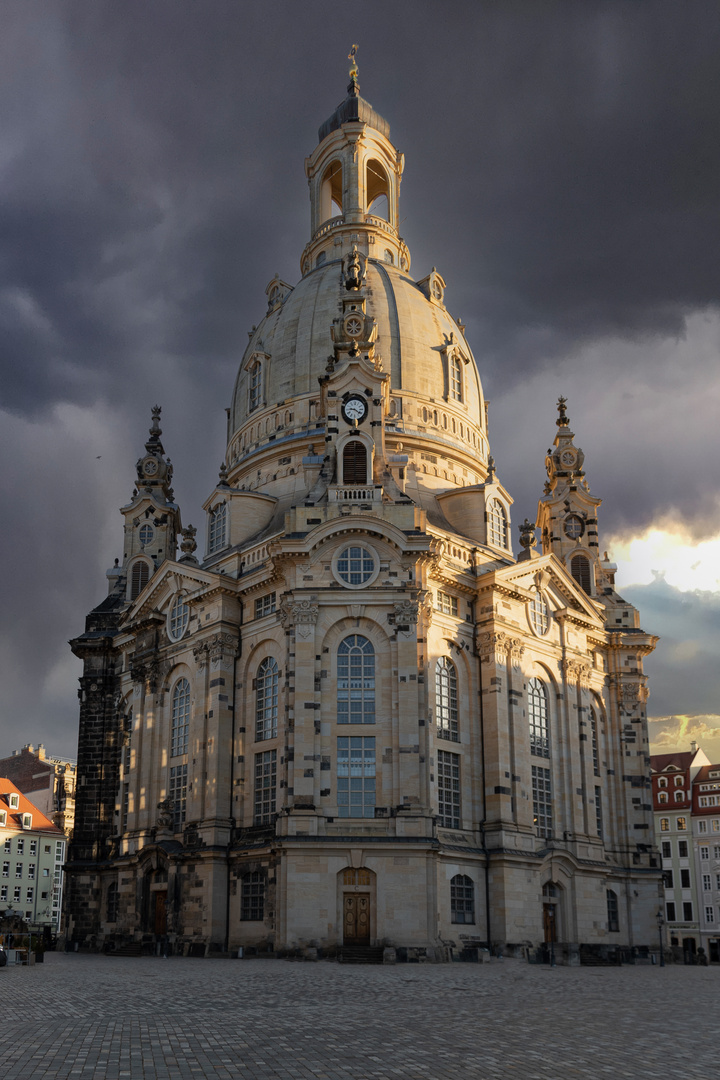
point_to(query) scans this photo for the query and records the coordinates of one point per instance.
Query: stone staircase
(361, 954)
(134, 949)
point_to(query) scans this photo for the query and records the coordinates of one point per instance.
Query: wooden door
(160, 912)
(356, 922)
(549, 922)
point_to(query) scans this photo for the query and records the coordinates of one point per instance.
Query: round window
(179, 618)
(146, 534)
(539, 615)
(356, 566)
(574, 527)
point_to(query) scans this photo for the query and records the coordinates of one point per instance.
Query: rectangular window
(462, 899)
(31, 871)
(707, 883)
(670, 911)
(683, 849)
(598, 812)
(18, 869)
(8, 845)
(716, 851)
(125, 807)
(33, 847)
(448, 782)
(542, 801)
(716, 825)
(595, 756)
(265, 786)
(29, 894)
(20, 846)
(252, 897)
(666, 849)
(16, 894)
(668, 879)
(709, 914)
(46, 872)
(664, 824)
(705, 853)
(682, 824)
(702, 826)
(717, 881)
(265, 605)
(356, 792)
(6, 869)
(4, 892)
(687, 911)
(446, 603)
(613, 913)
(177, 793)
(684, 879)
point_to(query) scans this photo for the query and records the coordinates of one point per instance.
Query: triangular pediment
(548, 573)
(172, 577)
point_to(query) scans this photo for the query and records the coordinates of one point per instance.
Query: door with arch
(356, 906)
(551, 912)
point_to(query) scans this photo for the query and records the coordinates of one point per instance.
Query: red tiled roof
(14, 816)
(660, 762)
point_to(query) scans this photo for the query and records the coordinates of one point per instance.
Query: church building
(345, 716)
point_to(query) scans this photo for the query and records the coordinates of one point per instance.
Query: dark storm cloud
(562, 173)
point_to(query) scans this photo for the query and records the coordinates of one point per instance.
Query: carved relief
(577, 671)
(298, 613)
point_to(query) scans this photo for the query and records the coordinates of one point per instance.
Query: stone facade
(360, 721)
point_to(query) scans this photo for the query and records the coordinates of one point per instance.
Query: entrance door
(160, 912)
(356, 922)
(549, 922)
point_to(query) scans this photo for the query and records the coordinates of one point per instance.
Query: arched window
(112, 903)
(389, 257)
(321, 259)
(462, 899)
(180, 718)
(678, 781)
(613, 912)
(456, 378)
(179, 618)
(377, 190)
(580, 570)
(218, 528)
(331, 192)
(662, 782)
(538, 717)
(255, 386)
(139, 577)
(355, 469)
(446, 710)
(662, 797)
(266, 700)
(539, 615)
(679, 796)
(594, 743)
(252, 897)
(497, 523)
(356, 681)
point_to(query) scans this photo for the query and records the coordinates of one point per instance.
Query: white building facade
(360, 722)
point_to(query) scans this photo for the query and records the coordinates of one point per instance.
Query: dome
(413, 332)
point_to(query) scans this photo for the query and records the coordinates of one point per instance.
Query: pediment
(549, 574)
(171, 578)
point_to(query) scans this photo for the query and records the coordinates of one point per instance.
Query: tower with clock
(347, 720)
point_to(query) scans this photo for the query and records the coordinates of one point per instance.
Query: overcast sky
(562, 173)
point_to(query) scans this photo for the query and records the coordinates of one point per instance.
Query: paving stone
(97, 1018)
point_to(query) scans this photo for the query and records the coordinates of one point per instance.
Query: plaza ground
(98, 1018)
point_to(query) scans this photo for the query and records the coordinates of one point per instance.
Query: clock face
(355, 409)
(574, 527)
(353, 326)
(150, 467)
(568, 457)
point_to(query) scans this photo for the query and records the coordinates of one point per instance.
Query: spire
(354, 87)
(154, 470)
(565, 461)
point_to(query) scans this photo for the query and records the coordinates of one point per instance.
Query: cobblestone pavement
(97, 1018)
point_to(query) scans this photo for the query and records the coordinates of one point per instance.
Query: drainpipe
(233, 757)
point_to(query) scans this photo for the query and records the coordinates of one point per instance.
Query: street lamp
(661, 924)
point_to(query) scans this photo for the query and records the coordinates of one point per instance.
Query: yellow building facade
(360, 723)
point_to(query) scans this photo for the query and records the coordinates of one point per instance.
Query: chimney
(693, 747)
(41, 752)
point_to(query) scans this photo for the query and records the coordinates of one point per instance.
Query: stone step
(361, 954)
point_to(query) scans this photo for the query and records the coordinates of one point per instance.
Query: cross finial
(562, 420)
(353, 87)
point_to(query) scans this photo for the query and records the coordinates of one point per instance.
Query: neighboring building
(706, 841)
(360, 720)
(33, 852)
(672, 785)
(47, 781)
